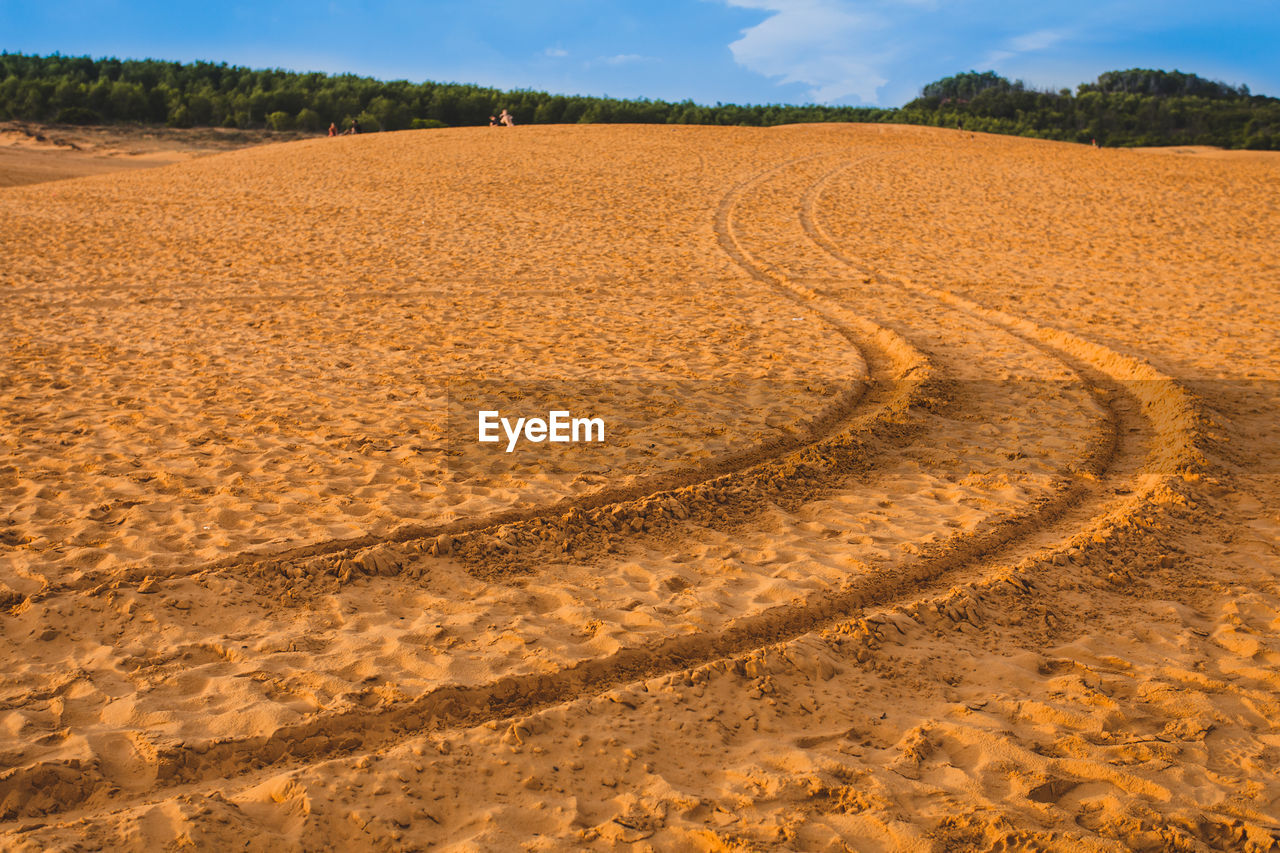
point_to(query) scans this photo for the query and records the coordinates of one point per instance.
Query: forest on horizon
(1121, 108)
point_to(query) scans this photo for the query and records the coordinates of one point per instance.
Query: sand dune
(937, 512)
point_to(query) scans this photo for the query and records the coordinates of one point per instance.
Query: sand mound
(934, 512)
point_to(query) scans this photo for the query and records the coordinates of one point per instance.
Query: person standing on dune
(507, 119)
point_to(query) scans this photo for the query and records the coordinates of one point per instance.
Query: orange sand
(33, 153)
(940, 510)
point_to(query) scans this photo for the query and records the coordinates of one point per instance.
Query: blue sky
(747, 51)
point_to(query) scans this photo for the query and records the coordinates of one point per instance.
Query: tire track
(1158, 423)
(702, 485)
(1171, 410)
(590, 520)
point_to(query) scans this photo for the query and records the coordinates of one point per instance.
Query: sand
(33, 153)
(938, 510)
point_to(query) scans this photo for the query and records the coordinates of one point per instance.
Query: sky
(857, 52)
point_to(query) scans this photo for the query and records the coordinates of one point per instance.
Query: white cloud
(832, 46)
(1038, 40)
(625, 59)
(876, 51)
(1025, 43)
(557, 52)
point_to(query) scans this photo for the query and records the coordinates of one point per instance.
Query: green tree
(179, 116)
(279, 120)
(308, 119)
(388, 113)
(127, 101)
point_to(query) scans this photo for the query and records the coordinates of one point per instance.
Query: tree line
(82, 90)
(1135, 107)
(1122, 108)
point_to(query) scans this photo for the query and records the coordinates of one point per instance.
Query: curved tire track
(888, 357)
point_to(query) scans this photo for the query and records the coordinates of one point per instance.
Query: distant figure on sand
(355, 127)
(508, 119)
(333, 129)
(493, 122)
